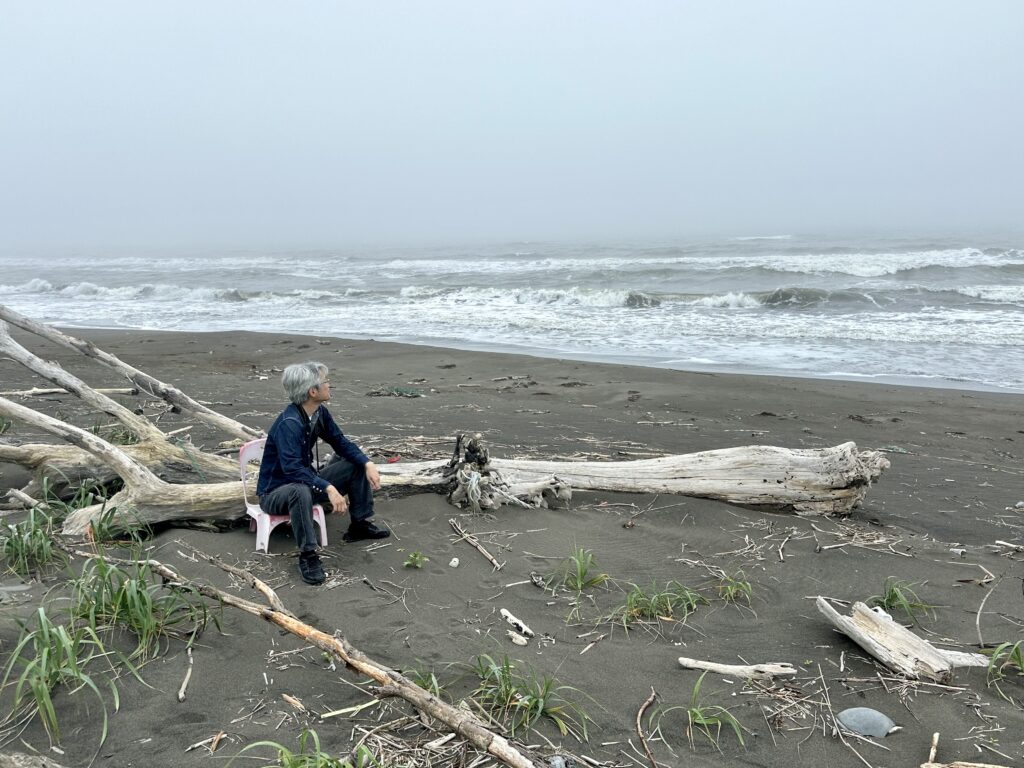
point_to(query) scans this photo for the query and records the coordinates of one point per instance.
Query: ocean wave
(505, 297)
(1003, 294)
(738, 300)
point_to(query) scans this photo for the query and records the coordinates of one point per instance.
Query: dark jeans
(297, 499)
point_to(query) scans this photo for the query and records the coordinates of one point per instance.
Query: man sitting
(289, 483)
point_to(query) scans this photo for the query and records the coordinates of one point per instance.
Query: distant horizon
(993, 237)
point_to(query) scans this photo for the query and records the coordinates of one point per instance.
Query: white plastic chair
(261, 522)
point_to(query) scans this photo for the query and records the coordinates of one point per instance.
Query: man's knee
(299, 496)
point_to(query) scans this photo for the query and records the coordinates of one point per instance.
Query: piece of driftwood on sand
(766, 671)
(896, 646)
(160, 476)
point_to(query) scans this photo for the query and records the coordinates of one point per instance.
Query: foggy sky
(253, 123)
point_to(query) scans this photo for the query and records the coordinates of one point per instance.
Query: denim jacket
(288, 455)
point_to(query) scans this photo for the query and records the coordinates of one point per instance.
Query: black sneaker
(310, 568)
(365, 530)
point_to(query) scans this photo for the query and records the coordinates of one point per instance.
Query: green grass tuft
(900, 595)
(673, 602)
(310, 754)
(107, 596)
(28, 546)
(576, 572)
(48, 657)
(521, 701)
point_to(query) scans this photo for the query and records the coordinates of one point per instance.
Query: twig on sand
(977, 618)
(188, 676)
(476, 544)
(640, 728)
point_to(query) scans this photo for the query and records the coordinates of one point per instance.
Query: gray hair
(299, 378)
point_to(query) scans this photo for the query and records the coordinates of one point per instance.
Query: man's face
(322, 392)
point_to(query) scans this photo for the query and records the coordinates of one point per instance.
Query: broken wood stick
(895, 646)
(476, 544)
(745, 671)
(640, 728)
(188, 676)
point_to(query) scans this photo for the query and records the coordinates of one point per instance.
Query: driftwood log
(896, 646)
(173, 481)
(807, 481)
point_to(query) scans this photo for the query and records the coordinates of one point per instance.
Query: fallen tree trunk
(806, 481)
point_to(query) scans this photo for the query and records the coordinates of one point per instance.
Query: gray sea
(935, 312)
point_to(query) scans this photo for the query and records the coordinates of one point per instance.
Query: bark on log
(896, 646)
(143, 381)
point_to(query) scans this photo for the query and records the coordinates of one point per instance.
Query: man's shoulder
(289, 414)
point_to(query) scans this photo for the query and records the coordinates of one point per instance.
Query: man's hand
(373, 475)
(338, 502)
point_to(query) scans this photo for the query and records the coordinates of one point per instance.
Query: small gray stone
(867, 722)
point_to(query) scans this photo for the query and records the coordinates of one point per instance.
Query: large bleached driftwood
(896, 646)
(807, 481)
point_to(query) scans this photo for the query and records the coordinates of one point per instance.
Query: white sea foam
(1006, 294)
(729, 300)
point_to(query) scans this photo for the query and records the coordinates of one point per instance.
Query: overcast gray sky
(322, 123)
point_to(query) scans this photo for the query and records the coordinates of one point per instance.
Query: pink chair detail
(252, 453)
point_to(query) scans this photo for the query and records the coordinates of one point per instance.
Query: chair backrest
(248, 454)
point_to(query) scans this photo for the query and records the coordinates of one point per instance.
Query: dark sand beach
(933, 520)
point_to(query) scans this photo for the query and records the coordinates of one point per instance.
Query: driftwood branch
(393, 683)
(895, 646)
(744, 671)
(143, 381)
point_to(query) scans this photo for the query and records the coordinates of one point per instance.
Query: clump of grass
(1006, 657)
(5, 424)
(119, 526)
(427, 680)
(415, 560)
(107, 596)
(310, 754)
(28, 546)
(733, 588)
(900, 595)
(576, 572)
(672, 602)
(703, 718)
(115, 433)
(521, 701)
(51, 656)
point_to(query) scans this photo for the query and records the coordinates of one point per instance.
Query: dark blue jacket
(288, 456)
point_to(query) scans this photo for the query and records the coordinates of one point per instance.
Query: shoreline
(931, 520)
(920, 382)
